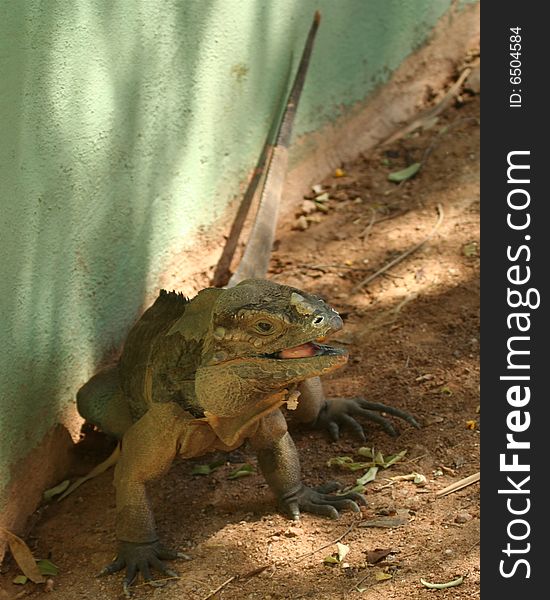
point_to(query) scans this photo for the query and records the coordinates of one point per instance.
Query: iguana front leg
(333, 413)
(148, 449)
(280, 465)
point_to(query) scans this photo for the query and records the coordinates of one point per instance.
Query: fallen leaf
(432, 420)
(47, 567)
(393, 458)
(470, 249)
(374, 556)
(201, 470)
(20, 580)
(401, 518)
(347, 462)
(382, 576)
(442, 586)
(207, 469)
(419, 479)
(343, 551)
(54, 491)
(404, 174)
(370, 475)
(23, 556)
(364, 451)
(338, 556)
(242, 471)
(426, 377)
(339, 173)
(416, 478)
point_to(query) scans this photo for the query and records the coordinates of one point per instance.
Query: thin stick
(339, 538)
(220, 587)
(401, 257)
(237, 577)
(365, 233)
(356, 586)
(458, 485)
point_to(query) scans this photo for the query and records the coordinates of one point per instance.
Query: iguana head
(264, 337)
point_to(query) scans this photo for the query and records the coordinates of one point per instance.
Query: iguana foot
(140, 558)
(338, 412)
(320, 501)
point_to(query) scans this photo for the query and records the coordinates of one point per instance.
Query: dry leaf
(374, 556)
(23, 556)
(401, 518)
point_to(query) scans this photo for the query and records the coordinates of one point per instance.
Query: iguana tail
(255, 260)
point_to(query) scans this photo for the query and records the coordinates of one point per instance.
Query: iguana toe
(141, 558)
(344, 412)
(319, 501)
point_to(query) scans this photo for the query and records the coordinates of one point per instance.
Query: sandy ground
(413, 339)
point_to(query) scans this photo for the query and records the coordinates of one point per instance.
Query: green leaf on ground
(54, 491)
(47, 567)
(370, 475)
(404, 174)
(207, 469)
(242, 471)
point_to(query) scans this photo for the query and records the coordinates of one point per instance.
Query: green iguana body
(212, 372)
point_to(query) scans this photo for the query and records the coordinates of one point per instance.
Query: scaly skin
(205, 375)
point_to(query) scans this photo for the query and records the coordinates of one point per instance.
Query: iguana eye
(264, 327)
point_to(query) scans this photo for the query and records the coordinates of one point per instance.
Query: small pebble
(301, 223)
(463, 517)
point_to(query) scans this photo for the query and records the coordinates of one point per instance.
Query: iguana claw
(140, 558)
(338, 412)
(320, 501)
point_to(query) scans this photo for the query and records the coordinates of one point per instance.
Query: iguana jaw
(307, 350)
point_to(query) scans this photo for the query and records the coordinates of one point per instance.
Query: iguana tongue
(302, 351)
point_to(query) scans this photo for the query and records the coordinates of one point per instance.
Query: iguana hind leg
(101, 402)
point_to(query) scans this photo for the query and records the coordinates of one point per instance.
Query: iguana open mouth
(307, 350)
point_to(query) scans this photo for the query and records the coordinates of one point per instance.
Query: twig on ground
(364, 235)
(236, 577)
(458, 485)
(366, 231)
(338, 539)
(355, 586)
(220, 587)
(156, 582)
(402, 256)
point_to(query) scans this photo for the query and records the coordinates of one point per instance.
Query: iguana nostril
(336, 322)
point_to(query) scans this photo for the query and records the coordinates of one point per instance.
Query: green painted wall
(124, 126)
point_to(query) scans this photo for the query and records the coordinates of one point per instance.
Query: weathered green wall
(124, 126)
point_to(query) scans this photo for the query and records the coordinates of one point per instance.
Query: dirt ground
(413, 339)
